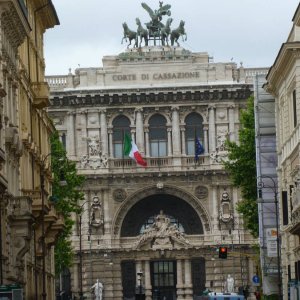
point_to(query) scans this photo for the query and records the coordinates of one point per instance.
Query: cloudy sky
(248, 31)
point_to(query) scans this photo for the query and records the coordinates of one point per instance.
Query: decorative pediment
(162, 234)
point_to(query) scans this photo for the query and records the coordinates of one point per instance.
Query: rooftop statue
(155, 30)
(142, 33)
(155, 25)
(131, 35)
(165, 32)
(177, 33)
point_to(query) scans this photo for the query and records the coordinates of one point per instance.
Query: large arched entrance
(165, 273)
(180, 212)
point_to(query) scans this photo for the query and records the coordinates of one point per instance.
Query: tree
(65, 198)
(241, 166)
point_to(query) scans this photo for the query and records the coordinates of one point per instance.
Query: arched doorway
(141, 217)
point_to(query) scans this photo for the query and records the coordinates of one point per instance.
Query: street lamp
(80, 251)
(273, 187)
(42, 182)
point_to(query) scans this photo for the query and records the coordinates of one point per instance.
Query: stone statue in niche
(95, 159)
(221, 139)
(94, 146)
(225, 209)
(96, 213)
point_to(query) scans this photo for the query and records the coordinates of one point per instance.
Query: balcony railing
(154, 164)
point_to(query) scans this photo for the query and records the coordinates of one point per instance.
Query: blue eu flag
(198, 149)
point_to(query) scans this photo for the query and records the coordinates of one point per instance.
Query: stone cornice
(146, 97)
(288, 54)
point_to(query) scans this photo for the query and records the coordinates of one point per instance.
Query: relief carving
(201, 192)
(96, 213)
(162, 234)
(95, 159)
(119, 195)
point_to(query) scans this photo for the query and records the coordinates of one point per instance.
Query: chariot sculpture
(156, 31)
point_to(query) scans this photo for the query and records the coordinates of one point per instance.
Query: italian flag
(132, 150)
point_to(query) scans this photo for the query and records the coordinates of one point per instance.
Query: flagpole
(123, 134)
(158, 157)
(195, 146)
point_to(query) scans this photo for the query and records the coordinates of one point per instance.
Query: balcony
(154, 165)
(41, 94)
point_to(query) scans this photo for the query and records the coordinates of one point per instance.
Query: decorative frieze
(148, 97)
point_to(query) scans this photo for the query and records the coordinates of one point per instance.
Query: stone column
(179, 285)
(75, 274)
(148, 287)
(183, 145)
(103, 132)
(138, 268)
(205, 141)
(231, 123)
(106, 215)
(84, 147)
(70, 135)
(212, 129)
(140, 131)
(169, 142)
(214, 201)
(110, 139)
(132, 132)
(175, 131)
(147, 142)
(188, 280)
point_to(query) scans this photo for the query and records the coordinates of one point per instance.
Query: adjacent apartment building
(284, 84)
(26, 267)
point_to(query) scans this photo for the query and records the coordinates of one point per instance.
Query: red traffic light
(222, 252)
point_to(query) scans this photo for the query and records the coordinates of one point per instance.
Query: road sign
(255, 280)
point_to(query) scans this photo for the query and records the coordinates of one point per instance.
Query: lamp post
(273, 187)
(80, 251)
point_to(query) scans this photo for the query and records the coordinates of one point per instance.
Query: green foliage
(241, 167)
(65, 198)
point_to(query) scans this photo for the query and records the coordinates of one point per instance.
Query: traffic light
(223, 252)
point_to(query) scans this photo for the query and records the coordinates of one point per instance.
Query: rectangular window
(285, 211)
(63, 140)
(294, 108)
(191, 146)
(158, 148)
(118, 150)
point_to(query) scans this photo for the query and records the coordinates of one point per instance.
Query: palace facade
(26, 269)
(155, 229)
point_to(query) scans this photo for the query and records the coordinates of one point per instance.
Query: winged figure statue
(155, 25)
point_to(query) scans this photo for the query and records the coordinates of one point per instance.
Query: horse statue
(155, 25)
(176, 33)
(165, 32)
(131, 35)
(141, 32)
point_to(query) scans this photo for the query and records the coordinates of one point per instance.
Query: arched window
(158, 136)
(193, 130)
(151, 221)
(121, 125)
